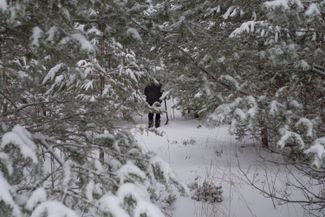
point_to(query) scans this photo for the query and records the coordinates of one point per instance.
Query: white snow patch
(295, 104)
(313, 10)
(3, 5)
(202, 160)
(38, 196)
(85, 44)
(6, 197)
(111, 204)
(134, 34)
(276, 3)
(20, 137)
(132, 190)
(130, 169)
(94, 30)
(302, 64)
(284, 4)
(98, 166)
(167, 172)
(229, 12)
(105, 135)
(240, 114)
(289, 136)
(221, 60)
(89, 84)
(22, 74)
(89, 190)
(37, 34)
(51, 33)
(229, 79)
(145, 208)
(222, 112)
(6, 160)
(234, 12)
(252, 106)
(66, 173)
(318, 150)
(53, 209)
(274, 107)
(307, 124)
(51, 74)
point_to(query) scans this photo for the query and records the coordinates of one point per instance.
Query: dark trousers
(157, 119)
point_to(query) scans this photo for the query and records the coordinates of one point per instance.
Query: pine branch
(193, 61)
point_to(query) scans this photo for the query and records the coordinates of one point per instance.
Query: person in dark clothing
(153, 93)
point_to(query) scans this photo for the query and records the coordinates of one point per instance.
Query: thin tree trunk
(264, 135)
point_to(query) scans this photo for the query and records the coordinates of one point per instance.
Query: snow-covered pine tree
(68, 74)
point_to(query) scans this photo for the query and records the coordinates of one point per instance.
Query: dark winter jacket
(153, 92)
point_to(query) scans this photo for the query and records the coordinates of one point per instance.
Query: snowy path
(196, 152)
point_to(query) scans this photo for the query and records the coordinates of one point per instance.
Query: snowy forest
(246, 80)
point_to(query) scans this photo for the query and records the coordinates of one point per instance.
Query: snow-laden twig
(6, 196)
(20, 137)
(38, 196)
(288, 136)
(307, 124)
(318, 150)
(53, 208)
(111, 204)
(52, 72)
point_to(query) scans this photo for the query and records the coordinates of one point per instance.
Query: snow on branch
(252, 104)
(6, 197)
(128, 190)
(230, 80)
(134, 34)
(222, 113)
(313, 10)
(3, 5)
(67, 167)
(275, 106)
(37, 34)
(318, 150)
(283, 4)
(289, 137)
(88, 84)
(7, 162)
(111, 204)
(51, 33)
(84, 43)
(307, 124)
(52, 72)
(38, 196)
(163, 173)
(276, 4)
(145, 208)
(20, 137)
(240, 114)
(130, 171)
(303, 65)
(53, 208)
(231, 12)
(246, 27)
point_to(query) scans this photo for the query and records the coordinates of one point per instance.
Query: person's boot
(157, 123)
(150, 124)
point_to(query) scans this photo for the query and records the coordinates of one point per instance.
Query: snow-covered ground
(196, 152)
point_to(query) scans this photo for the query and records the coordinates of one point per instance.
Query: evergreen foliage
(68, 74)
(69, 70)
